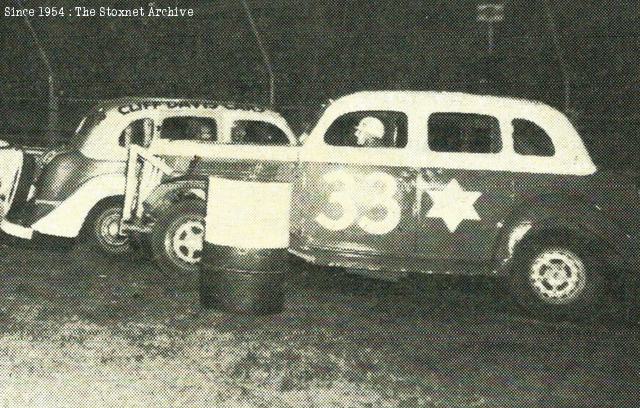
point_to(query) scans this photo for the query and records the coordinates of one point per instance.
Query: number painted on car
(380, 189)
(342, 198)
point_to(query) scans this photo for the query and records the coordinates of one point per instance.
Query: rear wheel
(178, 235)
(103, 228)
(557, 279)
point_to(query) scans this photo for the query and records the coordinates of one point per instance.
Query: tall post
(318, 13)
(490, 36)
(264, 52)
(551, 25)
(53, 118)
(52, 131)
(490, 14)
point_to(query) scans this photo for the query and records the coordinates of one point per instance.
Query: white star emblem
(453, 205)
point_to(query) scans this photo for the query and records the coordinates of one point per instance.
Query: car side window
(530, 139)
(139, 132)
(190, 128)
(455, 132)
(385, 129)
(254, 132)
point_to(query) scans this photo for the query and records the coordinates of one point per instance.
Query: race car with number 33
(391, 182)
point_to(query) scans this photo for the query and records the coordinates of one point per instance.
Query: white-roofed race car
(78, 190)
(391, 182)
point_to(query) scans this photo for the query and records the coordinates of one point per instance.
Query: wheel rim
(185, 243)
(558, 276)
(108, 229)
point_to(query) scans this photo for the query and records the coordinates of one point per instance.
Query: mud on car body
(80, 189)
(393, 182)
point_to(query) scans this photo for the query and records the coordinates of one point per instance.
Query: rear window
(139, 132)
(190, 128)
(530, 139)
(463, 133)
(254, 132)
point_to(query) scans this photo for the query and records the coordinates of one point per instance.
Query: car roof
(111, 104)
(442, 98)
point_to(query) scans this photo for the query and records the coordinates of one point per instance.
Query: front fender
(67, 219)
(171, 191)
(575, 217)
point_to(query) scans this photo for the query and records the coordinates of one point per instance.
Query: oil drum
(245, 257)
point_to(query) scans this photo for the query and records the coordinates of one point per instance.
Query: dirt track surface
(80, 331)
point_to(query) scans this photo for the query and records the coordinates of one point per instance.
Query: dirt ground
(82, 331)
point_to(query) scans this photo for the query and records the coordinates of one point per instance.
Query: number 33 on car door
(357, 202)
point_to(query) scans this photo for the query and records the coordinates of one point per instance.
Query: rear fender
(573, 217)
(67, 219)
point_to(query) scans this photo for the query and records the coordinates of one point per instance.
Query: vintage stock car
(78, 190)
(397, 182)
(164, 206)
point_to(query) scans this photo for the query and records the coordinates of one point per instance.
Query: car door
(357, 198)
(464, 191)
(249, 148)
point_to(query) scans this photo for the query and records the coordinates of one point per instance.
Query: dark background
(325, 48)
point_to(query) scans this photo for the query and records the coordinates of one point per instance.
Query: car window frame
(364, 111)
(513, 132)
(189, 115)
(232, 125)
(501, 130)
(153, 131)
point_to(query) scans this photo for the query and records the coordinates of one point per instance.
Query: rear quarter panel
(603, 205)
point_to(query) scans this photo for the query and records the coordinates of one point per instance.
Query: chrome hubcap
(110, 230)
(187, 241)
(557, 275)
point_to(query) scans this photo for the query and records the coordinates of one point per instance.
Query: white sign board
(490, 13)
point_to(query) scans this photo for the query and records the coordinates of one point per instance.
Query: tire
(553, 279)
(102, 227)
(178, 235)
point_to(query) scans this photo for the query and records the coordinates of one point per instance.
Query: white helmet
(371, 127)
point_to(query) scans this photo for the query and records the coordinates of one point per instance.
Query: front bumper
(14, 234)
(16, 230)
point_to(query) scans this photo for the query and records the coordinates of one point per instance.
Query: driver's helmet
(369, 128)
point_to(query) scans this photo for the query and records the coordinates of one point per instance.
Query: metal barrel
(245, 256)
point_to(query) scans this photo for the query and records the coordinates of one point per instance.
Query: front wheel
(103, 227)
(557, 280)
(178, 235)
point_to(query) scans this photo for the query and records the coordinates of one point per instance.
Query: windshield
(86, 126)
